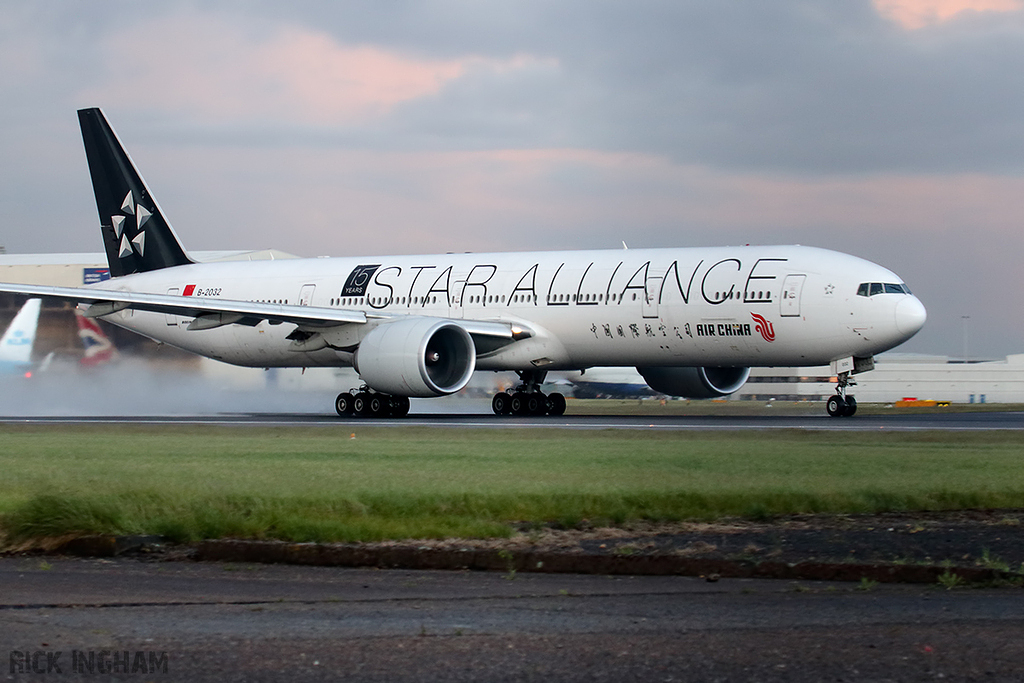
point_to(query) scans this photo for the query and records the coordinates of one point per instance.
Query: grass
(303, 484)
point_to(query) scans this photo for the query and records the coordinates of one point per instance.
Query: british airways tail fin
(136, 236)
(16, 344)
(98, 347)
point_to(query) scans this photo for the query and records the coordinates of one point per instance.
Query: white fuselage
(723, 306)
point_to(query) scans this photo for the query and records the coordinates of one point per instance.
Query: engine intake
(695, 382)
(416, 357)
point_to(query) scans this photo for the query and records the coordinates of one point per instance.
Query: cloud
(796, 87)
(222, 71)
(412, 127)
(338, 202)
(916, 14)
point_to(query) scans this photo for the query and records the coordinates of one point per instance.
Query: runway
(951, 422)
(137, 393)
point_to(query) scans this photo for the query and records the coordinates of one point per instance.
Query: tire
(343, 404)
(361, 404)
(378, 405)
(518, 403)
(536, 404)
(851, 406)
(556, 405)
(835, 406)
(399, 406)
(501, 404)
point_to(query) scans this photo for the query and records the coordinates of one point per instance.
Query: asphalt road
(218, 622)
(952, 421)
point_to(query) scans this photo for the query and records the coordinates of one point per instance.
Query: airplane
(692, 320)
(16, 344)
(616, 382)
(99, 350)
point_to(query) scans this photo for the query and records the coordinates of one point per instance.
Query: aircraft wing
(210, 312)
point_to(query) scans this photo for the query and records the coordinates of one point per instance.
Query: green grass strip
(303, 484)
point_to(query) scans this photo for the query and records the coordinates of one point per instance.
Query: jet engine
(695, 382)
(416, 357)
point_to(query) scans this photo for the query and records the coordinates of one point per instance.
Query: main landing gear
(527, 399)
(842, 405)
(366, 403)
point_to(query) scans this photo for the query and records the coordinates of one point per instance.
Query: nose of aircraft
(910, 316)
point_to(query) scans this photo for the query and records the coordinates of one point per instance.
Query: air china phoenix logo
(764, 327)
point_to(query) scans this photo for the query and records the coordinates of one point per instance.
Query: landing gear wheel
(399, 406)
(378, 405)
(836, 406)
(361, 404)
(556, 404)
(528, 399)
(501, 404)
(343, 404)
(842, 404)
(851, 406)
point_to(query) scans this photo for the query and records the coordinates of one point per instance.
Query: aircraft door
(306, 295)
(792, 287)
(172, 320)
(651, 294)
(456, 307)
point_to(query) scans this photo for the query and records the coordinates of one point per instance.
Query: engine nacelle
(417, 357)
(695, 382)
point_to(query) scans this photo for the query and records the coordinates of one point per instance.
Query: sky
(889, 129)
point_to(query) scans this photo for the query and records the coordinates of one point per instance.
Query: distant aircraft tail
(16, 344)
(136, 236)
(98, 348)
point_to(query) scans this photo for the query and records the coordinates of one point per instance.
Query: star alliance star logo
(141, 214)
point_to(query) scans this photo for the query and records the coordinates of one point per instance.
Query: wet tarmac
(242, 622)
(954, 421)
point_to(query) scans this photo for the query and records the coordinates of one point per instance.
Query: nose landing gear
(842, 405)
(527, 399)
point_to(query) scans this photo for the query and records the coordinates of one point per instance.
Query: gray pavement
(953, 421)
(271, 622)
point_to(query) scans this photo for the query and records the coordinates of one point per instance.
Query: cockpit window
(873, 288)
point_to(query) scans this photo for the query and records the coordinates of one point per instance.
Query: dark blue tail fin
(136, 236)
